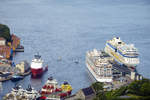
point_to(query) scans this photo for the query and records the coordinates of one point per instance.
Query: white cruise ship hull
(96, 77)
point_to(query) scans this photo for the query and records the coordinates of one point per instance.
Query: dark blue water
(68, 28)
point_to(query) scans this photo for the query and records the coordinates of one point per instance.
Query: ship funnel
(50, 78)
(37, 56)
(65, 82)
(118, 38)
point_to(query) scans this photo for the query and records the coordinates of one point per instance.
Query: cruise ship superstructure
(99, 66)
(123, 53)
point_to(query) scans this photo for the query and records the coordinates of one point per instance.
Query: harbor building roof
(88, 91)
(1, 38)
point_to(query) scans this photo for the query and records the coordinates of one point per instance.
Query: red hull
(37, 72)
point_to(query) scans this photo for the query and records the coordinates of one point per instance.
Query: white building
(23, 66)
(2, 41)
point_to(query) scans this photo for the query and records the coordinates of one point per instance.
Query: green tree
(145, 89)
(5, 32)
(98, 87)
(134, 87)
(121, 91)
(101, 96)
(137, 90)
(141, 87)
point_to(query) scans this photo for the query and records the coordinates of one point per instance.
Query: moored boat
(124, 54)
(16, 78)
(37, 69)
(18, 93)
(98, 65)
(51, 90)
(20, 48)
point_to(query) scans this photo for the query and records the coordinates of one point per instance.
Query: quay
(22, 69)
(50, 91)
(5, 77)
(8, 48)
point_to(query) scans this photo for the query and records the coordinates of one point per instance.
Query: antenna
(37, 53)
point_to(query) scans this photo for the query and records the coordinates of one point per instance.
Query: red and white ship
(37, 66)
(52, 91)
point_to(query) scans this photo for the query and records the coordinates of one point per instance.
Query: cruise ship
(124, 54)
(98, 65)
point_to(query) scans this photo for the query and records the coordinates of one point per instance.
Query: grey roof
(88, 91)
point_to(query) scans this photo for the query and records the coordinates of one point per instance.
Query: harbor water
(63, 30)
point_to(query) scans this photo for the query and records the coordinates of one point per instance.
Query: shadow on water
(36, 82)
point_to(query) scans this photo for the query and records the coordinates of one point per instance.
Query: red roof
(43, 97)
(1, 38)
